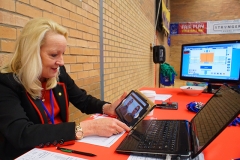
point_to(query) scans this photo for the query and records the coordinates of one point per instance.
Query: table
(225, 147)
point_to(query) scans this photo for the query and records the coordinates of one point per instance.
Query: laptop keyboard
(161, 135)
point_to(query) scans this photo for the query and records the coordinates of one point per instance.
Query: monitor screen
(214, 62)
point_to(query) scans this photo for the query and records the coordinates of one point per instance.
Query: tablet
(132, 109)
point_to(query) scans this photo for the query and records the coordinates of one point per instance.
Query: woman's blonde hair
(26, 63)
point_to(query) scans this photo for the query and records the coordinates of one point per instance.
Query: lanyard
(51, 117)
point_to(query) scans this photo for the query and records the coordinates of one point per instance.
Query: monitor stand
(211, 88)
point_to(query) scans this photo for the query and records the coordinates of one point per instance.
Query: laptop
(181, 139)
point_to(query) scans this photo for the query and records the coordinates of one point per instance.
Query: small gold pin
(59, 93)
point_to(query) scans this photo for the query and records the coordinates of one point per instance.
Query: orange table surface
(225, 147)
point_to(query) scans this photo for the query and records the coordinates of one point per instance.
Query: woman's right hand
(103, 127)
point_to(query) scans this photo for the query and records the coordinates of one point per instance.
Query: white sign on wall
(223, 27)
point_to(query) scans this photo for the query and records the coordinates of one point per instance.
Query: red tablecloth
(225, 147)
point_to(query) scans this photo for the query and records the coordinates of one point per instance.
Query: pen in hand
(74, 151)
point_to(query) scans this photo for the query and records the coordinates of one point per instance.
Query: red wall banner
(192, 28)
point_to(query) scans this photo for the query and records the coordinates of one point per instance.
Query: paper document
(163, 97)
(39, 154)
(101, 141)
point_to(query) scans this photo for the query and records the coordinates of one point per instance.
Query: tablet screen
(132, 108)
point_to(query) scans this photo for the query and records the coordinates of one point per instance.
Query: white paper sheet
(39, 154)
(163, 97)
(101, 141)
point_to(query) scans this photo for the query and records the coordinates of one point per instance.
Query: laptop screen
(132, 108)
(218, 112)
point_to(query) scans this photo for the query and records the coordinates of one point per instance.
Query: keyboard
(161, 135)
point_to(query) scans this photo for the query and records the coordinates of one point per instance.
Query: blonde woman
(35, 91)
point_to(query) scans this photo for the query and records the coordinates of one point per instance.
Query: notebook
(187, 139)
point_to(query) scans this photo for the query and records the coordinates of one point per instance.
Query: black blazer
(23, 122)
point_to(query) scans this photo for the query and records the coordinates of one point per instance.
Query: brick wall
(200, 10)
(128, 30)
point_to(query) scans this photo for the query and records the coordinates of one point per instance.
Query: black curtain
(159, 22)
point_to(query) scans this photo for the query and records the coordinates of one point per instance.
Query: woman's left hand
(109, 109)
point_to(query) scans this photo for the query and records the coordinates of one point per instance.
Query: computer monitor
(212, 62)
